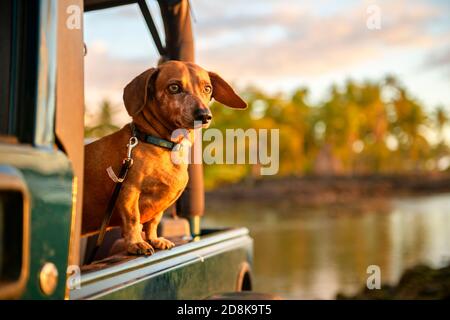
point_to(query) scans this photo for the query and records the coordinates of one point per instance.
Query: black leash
(126, 165)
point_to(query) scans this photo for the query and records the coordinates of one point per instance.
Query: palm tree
(410, 118)
(441, 118)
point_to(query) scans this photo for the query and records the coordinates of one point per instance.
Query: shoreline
(420, 282)
(320, 190)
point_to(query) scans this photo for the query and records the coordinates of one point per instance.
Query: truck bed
(193, 269)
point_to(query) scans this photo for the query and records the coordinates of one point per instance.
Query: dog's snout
(203, 115)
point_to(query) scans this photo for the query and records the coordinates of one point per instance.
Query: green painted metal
(48, 175)
(207, 265)
(198, 280)
(46, 172)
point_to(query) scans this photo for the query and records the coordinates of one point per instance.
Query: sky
(280, 45)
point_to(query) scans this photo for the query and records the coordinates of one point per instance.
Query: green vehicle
(42, 252)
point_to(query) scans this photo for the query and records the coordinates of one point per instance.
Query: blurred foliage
(103, 124)
(359, 128)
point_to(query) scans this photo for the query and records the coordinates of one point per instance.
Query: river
(316, 252)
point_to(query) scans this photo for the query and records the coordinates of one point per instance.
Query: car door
(35, 175)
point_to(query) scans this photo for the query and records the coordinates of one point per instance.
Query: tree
(104, 123)
(441, 118)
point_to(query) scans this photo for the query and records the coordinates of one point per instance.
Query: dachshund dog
(159, 101)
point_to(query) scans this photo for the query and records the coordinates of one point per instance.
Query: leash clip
(133, 142)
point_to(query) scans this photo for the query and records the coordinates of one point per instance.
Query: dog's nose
(203, 115)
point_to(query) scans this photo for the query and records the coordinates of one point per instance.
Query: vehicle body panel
(195, 270)
(48, 177)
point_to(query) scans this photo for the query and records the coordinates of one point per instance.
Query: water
(313, 253)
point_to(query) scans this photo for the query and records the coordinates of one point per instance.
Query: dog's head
(177, 94)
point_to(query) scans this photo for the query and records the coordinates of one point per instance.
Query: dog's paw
(140, 248)
(161, 243)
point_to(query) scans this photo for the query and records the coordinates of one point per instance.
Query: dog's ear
(139, 91)
(224, 93)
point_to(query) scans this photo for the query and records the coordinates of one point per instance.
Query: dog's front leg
(150, 229)
(128, 207)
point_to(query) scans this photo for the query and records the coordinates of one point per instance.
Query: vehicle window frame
(5, 61)
(32, 83)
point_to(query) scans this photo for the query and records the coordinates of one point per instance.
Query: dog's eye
(207, 89)
(174, 88)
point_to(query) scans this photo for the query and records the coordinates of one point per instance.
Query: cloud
(438, 59)
(274, 41)
(292, 39)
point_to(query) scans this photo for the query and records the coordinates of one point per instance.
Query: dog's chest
(164, 180)
(161, 181)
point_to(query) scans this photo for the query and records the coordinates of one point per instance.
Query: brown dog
(160, 100)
